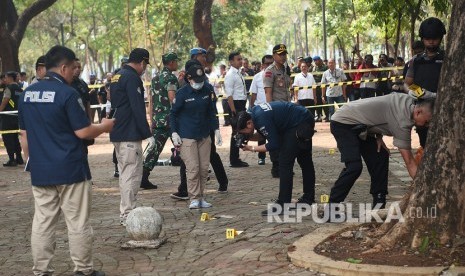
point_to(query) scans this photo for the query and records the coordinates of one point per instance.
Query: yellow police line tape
(292, 75)
(323, 85)
(9, 131)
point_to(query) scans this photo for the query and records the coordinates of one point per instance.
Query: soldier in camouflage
(163, 90)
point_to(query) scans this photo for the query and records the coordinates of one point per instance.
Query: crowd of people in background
(271, 101)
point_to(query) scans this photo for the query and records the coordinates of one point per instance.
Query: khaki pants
(196, 156)
(130, 162)
(74, 201)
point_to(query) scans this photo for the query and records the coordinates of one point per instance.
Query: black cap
(124, 60)
(196, 73)
(139, 54)
(40, 62)
(279, 49)
(191, 62)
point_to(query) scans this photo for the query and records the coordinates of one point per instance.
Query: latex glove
(417, 92)
(150, 143)
(219, 140)
(177, 141)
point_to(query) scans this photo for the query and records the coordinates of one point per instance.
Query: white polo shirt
(257, 88)
(234, 85)
(302, 80)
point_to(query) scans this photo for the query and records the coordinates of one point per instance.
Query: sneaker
(148, 186)
(180, 196)
(261, 161)
(116, 174)
(379, 198)
(10, 163)
(204, 204)
(94, 273)
(222, 190)
(195, 204)
(239, 164)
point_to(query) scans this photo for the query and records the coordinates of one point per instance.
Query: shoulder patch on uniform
(115, 78)
(268, 74)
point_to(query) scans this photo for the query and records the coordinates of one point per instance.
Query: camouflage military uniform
(161, 84)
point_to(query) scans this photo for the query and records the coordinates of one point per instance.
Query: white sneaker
(204, 204)
(195, 204)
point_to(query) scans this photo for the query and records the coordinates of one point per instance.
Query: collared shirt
(279, 81)
(388, 115)
(234, 85)
(333, 77)
(257, 88)
(302, 80)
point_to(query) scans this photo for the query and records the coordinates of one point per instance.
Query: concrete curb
(305, 256)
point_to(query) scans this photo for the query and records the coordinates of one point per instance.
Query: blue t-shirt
(50, 111)
(275, 118)
(193, 114)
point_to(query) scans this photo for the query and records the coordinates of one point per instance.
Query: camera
(240, 140)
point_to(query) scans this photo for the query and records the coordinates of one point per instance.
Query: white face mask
(197, 85)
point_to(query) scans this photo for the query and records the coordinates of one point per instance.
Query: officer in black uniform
(10, 98)
(425, 68)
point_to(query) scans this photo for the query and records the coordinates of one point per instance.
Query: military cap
(196, 73)
(171, 56)
(279, 49)
(139, 54)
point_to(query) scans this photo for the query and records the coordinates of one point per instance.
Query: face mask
(197, 85)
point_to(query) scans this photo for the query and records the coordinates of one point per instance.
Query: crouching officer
(288, 128)
(358, 128)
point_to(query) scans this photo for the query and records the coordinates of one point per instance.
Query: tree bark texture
(12, 29)
(202, 22)
(440, 180)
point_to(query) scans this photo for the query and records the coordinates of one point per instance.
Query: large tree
(12, 28)
(440, 180)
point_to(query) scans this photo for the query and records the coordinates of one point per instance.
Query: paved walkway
(193, 247)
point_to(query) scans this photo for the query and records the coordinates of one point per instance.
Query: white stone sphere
(144, 223)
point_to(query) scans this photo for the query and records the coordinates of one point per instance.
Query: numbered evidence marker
(232, 233)
(332, 151)
(324, 198)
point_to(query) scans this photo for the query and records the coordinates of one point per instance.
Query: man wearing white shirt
(337, 93)
(305, 96)
(234, 86)
(258, 97)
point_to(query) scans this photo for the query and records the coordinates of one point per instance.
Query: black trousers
(217, 165)
(422, 135)
(353, 149)
(319, 101)
(12, 145)
(261, 155)
(233, 150)
(290, 150)
(226, 109)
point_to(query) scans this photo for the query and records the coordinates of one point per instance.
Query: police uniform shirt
(272, 119)
(127, 99)
(279, 82)
(234, 85)
(50, 111)
(333, 77)
(83, 89)
(193, 114)
(12, 92)
(257, 88)
(388, 115)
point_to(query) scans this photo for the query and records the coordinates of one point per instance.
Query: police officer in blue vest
(288, 128)
(53, 124)
(425, 68)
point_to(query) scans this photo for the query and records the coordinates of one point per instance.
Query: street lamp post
(324, 29)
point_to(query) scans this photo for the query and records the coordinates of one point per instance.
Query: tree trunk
(399, 21)
(414, 9)
(440, 178)
(12, 30)
(386, 38)
(202, 22)
(128, 22)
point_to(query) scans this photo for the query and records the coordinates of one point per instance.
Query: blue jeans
(332, 100)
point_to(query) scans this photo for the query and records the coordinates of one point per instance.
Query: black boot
(19, 159)
(145, 183)
(116, 174)
(379, 198)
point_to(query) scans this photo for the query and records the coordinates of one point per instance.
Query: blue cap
(316, 58)
(197, 51)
